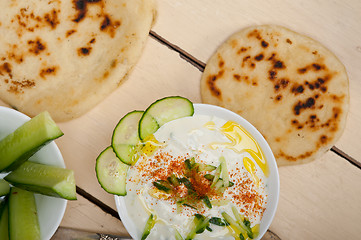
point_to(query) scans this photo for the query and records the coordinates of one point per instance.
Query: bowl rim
(272, 203)
(49, 222)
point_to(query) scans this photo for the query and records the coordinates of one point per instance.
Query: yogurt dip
(216, 147)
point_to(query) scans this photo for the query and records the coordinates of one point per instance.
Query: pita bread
(67, 56)
(290, 87)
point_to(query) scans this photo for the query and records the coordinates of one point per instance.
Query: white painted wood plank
(319, 200)
(83, 215)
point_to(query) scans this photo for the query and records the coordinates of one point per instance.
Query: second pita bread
(290, 87)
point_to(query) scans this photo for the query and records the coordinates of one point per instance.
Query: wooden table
(319, 200)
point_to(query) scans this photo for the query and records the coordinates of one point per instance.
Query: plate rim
(61, 204)
(201, 108)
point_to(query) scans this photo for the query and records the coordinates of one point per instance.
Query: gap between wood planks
(201, 65)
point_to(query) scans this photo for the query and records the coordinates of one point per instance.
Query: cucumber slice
(4, 216)
(4, 188)
(163, 111)
(44, 179)
(125, 139)
(111, 172)
(23, 217)
(26, 140)
(147, 126)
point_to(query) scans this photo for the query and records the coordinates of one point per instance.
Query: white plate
(273, 179)
(50, 209)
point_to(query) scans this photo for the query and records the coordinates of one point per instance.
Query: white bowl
(273, 179)
(50, 209)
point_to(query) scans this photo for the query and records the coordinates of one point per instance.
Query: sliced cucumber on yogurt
(163, 111)
(111, 172)
(125, 139)
(128, 140)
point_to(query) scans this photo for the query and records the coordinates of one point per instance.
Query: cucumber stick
(111, 172)
(44, 179)
(26, 140)
(163, 111)
(4, 188)
(4, 215)
(125, 139)
(23, 218)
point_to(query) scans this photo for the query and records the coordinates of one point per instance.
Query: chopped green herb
(186, 183)
(207, 202)
(187, 205)
(160, 185)
(241, 237)
(190, 163)
(173, 180)
(218, 221)
(209, 177)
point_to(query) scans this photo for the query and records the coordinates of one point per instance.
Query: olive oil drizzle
(241, 141)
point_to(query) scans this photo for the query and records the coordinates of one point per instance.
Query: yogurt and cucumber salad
(185, 176)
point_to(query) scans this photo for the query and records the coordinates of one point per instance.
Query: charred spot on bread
(36, 46)
(48, 71)
(259, 57)
(18, 87)
(52, 18)
(297, 89)
(70, 32)
(211, 82)
(237, 77)
(295, 158)
(278, 97)
(323, 139)
(84, 51)
(109, 26)
(221, 63)
(313, 66)
(272, 75)
(241, 50)
(299, 106)
(264, 44)
(82, 8)
(6, 69)
(279, 64)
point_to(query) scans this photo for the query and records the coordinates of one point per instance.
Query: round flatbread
(67, 56)
(290, 87)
